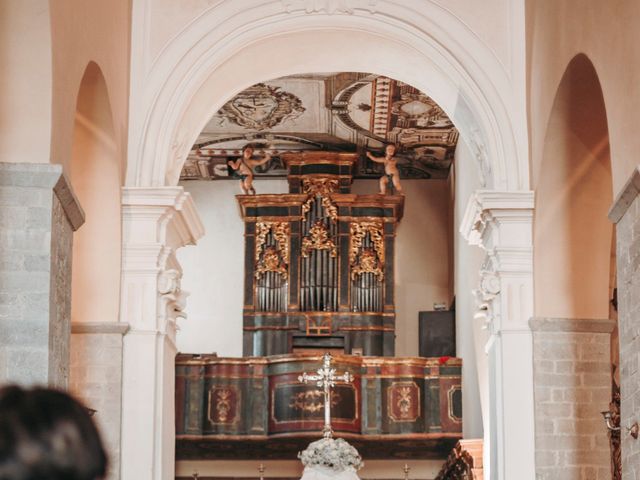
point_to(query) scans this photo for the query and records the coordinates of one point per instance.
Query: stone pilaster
(625, 213)
(572, 377)
(156, 222)
(501, 224)
(38, 215)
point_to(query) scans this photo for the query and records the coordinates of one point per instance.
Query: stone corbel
(172, 298)
(474, 223)
(487, 293)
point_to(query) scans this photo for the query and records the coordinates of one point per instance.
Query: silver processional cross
(326, 378)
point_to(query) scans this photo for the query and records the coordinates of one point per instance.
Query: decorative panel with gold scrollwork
(222, 399)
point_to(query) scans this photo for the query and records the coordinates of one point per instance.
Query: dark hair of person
(47, 435)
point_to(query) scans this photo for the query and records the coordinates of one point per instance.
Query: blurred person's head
(47, 435)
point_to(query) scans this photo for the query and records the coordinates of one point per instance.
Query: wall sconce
(633, 430)
(609, 421)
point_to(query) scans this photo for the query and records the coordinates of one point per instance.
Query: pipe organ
(319, 262)
(319, 275)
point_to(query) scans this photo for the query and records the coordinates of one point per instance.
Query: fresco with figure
(337, 112)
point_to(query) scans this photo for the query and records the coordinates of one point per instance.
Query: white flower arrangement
(335, 454)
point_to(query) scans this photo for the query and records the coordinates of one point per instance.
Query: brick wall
(38, 214)
(572, 378)
(626, 214)
(96, 379)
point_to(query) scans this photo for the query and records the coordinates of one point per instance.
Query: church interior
(377, 239)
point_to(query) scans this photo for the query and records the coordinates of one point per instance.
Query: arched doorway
(205, 66)
(573, 261)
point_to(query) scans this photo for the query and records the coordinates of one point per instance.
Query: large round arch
(233, 45)
(226, 50)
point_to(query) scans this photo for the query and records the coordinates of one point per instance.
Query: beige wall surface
(572, 234)
(25, 81)
(213, 270)
(85, 31)
(608, 33)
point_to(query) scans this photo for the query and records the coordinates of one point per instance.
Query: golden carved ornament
(223, 404)
(311, 401)
(320, 187)
(277, 259)
(367, 260)
(368, 263)
(271, 262)
(318, 239)
(405, 401)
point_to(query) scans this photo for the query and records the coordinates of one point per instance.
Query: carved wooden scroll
(464, 462)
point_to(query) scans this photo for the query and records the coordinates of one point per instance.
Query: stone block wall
(38, 214)
(625, 213)
(96, 379)
(572, 378)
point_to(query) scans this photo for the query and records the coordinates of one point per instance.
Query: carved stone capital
(501, 224)
(495, 219)
(156, 223)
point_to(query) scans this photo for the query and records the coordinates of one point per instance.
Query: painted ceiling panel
(346, 111)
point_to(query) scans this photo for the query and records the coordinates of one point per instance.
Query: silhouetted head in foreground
(47, 435)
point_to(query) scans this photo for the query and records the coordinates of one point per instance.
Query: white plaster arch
(228, 47)
(231, 45)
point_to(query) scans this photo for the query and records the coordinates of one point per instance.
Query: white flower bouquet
(335, 454)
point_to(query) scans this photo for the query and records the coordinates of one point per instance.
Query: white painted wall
(213, 270)
(25, 81)
(422, 255)
(470, 338)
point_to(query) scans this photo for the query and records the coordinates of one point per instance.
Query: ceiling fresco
(344, 112)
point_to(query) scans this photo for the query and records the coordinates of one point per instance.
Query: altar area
(318, 278)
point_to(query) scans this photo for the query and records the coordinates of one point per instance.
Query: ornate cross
(326, 378)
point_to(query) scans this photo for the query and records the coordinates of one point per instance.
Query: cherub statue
(244, 166)
(391, 173)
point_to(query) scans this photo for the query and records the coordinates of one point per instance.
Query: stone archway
(225, 50)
